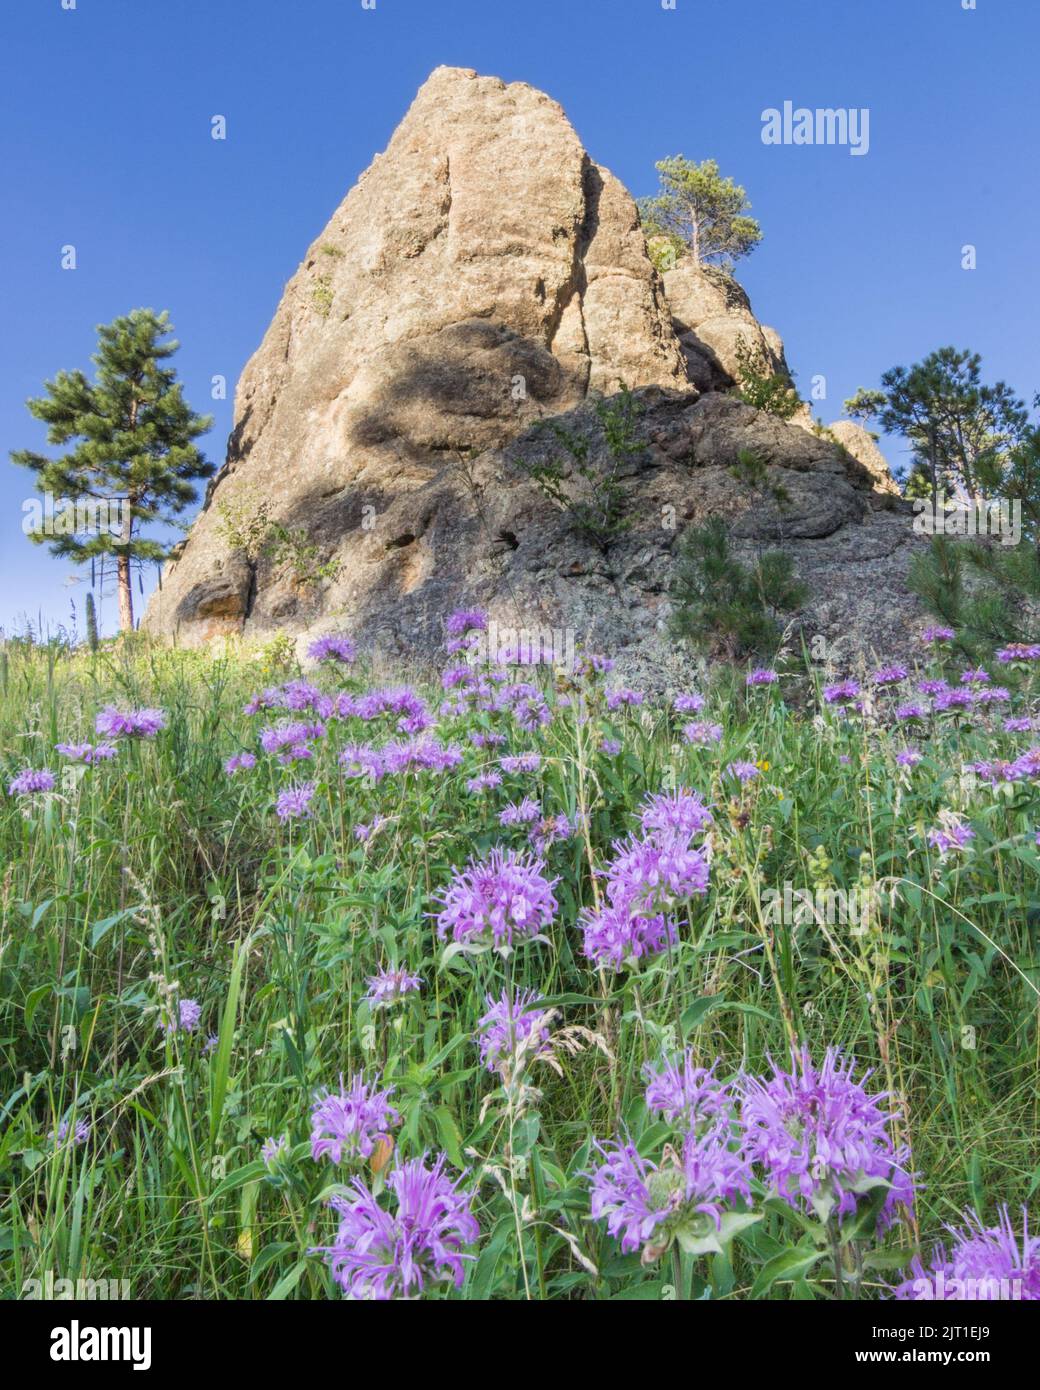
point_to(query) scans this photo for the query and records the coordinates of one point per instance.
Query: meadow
(513, 983)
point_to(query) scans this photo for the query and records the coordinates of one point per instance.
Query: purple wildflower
(522, 762)
(950, 835)
(273, 1150)
(486, 739)
(821, 1137)
(363, 833)
(688, 704)
(493, 901)
(687, 1094)
(625, 696)
(842, 693)
(78, 1132)
(520, 812)
(390, 985)
(294, 737)
(1028, 765)
(88, 753)
(295, 802)
(889, 675)
(348, 1123)
(984, 1264)
(938, 634)
(996, 772)
(30, 781)
(362, 760)
(618, 936)
(591, 665)
(484, 781)
(648, 1205)
(532, 714)
(761, 676)
(953, 699)
(379, 1256)
(742, 771)
(991, 695)
(548, 830)
(186, 1020)
(675, 812)
(333, 648)
(131, 723)
(423, 754)
(513, 1031)
(300, 695)
(465, 620)
(905, 713)
(701, 732)
(1019, 651)
(240, 762)
(654, 874)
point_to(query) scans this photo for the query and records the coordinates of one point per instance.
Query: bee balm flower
(381, 1255)
(497, 900)
(821, 1137)
(348, 1123)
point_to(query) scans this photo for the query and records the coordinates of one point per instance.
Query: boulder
(484, 272)
(458, 326)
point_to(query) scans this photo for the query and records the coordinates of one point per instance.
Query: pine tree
(960, 430)
(699, 211)
(727, 607)
(133, 461)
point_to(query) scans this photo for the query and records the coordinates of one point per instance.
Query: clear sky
(105, 144)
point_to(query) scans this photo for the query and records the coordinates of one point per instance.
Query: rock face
(850, 543)
(482, 276)
(862, 445)
(712, 316)
(484, 272)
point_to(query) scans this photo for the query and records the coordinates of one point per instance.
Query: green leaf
(784, 1269)
(287, 1282)
(222, 1056)
(33, 1001)
(698, 1011)
(448, 1132)
(888, 1259)
(248, 1173)
(101, 929)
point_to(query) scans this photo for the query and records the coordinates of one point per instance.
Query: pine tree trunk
(126, 532)
(126, 594)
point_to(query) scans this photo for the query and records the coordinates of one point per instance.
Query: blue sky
(105, 144)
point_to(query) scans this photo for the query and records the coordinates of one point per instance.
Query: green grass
(158, 875)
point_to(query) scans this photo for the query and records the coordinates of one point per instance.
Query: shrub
(726, 607)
